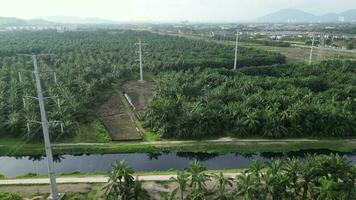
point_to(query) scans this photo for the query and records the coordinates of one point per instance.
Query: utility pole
(140, 60)
(54, 191)
(236, 48)
(311, 50)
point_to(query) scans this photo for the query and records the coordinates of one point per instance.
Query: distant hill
(347, 16)
(12, 21)
(52, 20)
(294, 15)
(77, 20)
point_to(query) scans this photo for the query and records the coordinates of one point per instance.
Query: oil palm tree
(138, 192)
(120, 181)
(168, 195)
(197, 194)
(292, 168)
(222, 183)
(248, 187)
(255, 168)
(182, 181)
(197, 175)
(327, 189)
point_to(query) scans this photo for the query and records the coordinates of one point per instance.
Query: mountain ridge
(295, 15)
(78, 20)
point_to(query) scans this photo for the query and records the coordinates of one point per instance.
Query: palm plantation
(296, 178)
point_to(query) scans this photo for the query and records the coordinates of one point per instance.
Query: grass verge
(182, 146)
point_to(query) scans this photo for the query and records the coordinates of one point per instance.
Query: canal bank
(223, 145)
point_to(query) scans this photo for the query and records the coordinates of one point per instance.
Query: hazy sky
(166, 10)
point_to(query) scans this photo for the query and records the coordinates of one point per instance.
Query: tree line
(292, 100)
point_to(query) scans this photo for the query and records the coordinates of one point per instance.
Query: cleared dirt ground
(93, 191)
(139, 94)
(118, 120)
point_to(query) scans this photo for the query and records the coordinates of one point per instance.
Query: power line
(44, 122)
(236, 49)
(140, 60)
(311, 50)
(54, 191)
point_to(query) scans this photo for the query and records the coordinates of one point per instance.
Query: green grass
(151, 136)
(197, 146)
(8, 140)
(10, 196)
(91, 194)
(100, 133)
(28, 175)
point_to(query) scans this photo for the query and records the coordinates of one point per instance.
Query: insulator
(55, 77)
(58, 103)
(20, 77)
(24, 102)
(62, 127)
(28, 127)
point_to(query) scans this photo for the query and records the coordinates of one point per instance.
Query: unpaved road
(226, 140)
(94, 179)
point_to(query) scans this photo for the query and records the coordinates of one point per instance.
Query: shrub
(10, 196)
(100, 133)
(29, 175)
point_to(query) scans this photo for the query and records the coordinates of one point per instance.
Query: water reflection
(197, 156)
(19, 165)
(36, 158)
(154, 156)
(247, 155)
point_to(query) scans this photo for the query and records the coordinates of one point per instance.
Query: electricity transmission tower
(140, 60)
(311, 50)
(44, 122)
(321, 47)
(236, 49)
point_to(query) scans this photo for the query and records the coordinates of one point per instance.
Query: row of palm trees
(88, 62)
(273, 101)
(314, 177)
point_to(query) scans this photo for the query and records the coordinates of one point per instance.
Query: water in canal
(15, 166)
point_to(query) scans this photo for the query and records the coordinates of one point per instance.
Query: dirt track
(95, 179)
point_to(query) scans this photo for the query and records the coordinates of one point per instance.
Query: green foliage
(10, 196)
(150, 136)
(87, 64)
(273, 101)
(121, 184)
(100, 132)
(272, 43)
(2, 176)
(314, 177)
(28, 175)
(351, 45)
(168, 195)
